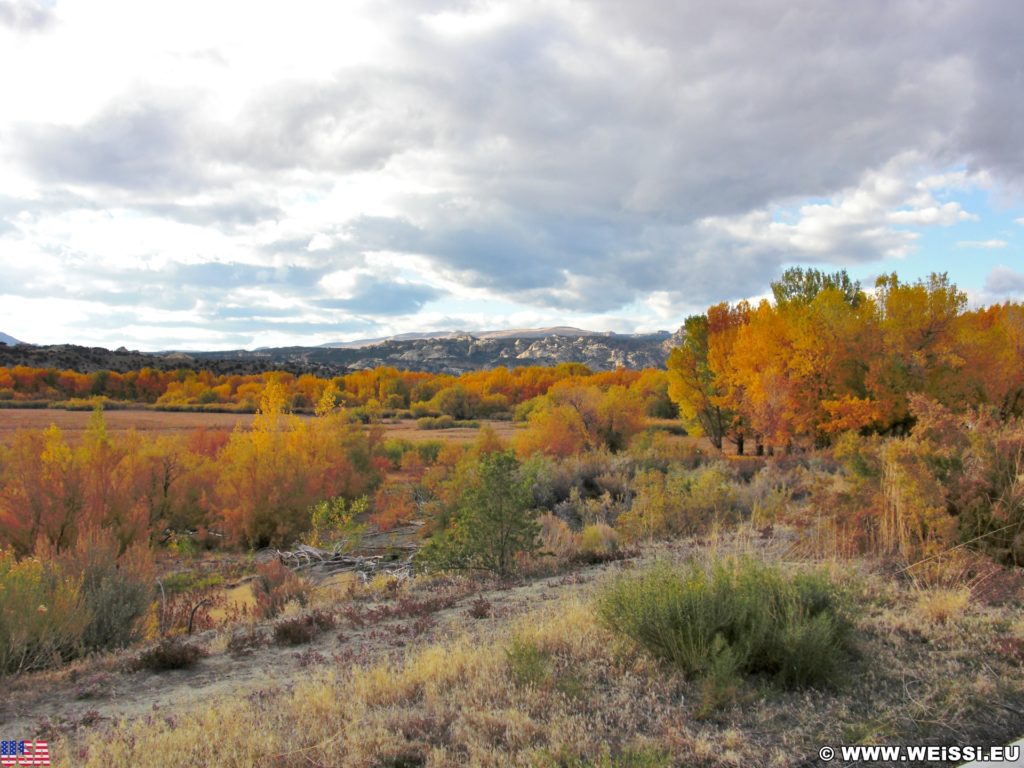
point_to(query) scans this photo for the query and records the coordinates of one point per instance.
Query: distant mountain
(515, 333)
(457, 352)
(450, 352)
(5, 339)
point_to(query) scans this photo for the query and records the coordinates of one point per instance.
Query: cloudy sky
(222, 174)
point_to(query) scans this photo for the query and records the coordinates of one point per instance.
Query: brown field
(74, 423)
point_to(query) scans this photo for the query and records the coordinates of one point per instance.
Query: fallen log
(319, 563)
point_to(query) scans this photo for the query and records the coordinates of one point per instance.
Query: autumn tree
(42, 496)
(271, 474)
(917, 323)
(708, 401)
(574, 417)
(692, 384)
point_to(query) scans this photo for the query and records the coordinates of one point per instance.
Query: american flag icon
(18, 753)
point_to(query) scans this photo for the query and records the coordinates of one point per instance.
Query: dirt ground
(104, 689)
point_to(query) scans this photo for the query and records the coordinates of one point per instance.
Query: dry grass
(74, 423)
(554, 688)
(940, 605)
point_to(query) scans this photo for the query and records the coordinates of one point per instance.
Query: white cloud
(859, 224)
(983, 244)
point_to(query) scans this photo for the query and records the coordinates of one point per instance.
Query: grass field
(74, 423)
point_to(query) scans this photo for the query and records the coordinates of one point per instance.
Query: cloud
(581, 157)
(132, 146)
(370, 296)
(985, 244)
(1003, 281)
(26, 15)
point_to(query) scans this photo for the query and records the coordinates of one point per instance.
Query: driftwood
(390, 553)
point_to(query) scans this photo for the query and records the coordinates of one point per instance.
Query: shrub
(987, 495)
(170, 653)
(737, 616)
(556, 538)
(435, 422)
(957, 478)
(116, 591)
(42, 616)
(769, 494)
(393, 505)
(302, 629)
(940, 605)
(480, 608)
(275, 586)
(245, 641)
(494, 521)
(429, 450)
(394, 450)
(657, 450)
(682, 502)
(599, 541)
(528, 664)
(334, 521)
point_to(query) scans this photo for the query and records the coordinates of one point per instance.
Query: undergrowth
(736, 616)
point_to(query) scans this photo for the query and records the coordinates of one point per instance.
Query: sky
(217, 175)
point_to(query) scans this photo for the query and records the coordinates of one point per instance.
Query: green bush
(494, 521)
(429, 450)
(736, 616)
(435, 422)
(54, 607)
(445, 422)
(393, 450)
(117, 603)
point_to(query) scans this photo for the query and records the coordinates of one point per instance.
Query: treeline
(828, 357)
(252, 487)
(477, 394)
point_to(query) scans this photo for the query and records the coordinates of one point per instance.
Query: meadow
(74, 424)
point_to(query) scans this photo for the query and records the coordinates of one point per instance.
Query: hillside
(444, 354)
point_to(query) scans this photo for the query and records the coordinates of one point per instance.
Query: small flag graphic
(22, 753)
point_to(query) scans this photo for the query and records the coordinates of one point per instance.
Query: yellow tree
(708, 401)
(917, 324)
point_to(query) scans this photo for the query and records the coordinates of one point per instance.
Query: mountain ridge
(453, 353)
(522, 333)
